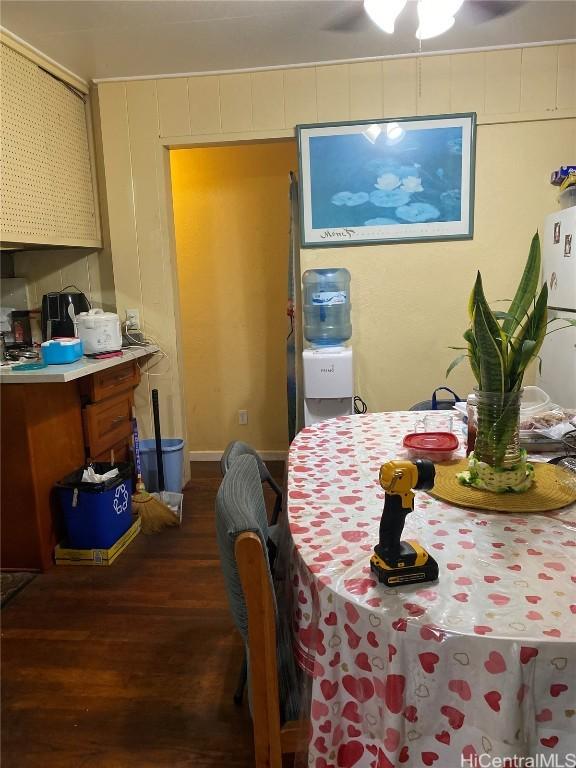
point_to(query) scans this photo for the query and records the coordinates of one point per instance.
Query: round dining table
(477, 666)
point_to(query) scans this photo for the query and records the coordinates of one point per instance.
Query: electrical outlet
(133, 319)
(242, 417)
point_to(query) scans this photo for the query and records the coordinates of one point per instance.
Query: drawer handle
(118, 419)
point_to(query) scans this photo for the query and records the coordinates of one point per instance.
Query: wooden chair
(233, 450)
(242, 532)
(270, 739)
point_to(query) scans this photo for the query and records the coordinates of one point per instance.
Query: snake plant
(500, 346)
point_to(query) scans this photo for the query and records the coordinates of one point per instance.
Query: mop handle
(136, 446)
(158, 438)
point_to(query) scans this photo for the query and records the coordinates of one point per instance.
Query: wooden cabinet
(48, 431)
(111, 381)
(120, 451)
(107, 423)
(42, 442)
(107, 414)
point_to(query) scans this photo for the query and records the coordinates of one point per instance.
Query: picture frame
(393, 180)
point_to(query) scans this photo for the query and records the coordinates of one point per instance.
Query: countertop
(59, 374)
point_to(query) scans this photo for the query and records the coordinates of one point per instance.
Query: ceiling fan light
(436, 17)
(384, 12)
(434, 27)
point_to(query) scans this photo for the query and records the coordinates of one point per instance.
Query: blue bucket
(172, 457)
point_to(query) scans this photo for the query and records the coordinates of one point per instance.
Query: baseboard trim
(217, 455)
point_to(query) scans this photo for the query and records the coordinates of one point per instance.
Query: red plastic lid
(431, 441)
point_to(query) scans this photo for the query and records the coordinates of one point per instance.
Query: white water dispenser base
(328, 383)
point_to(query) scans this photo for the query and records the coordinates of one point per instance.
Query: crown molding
(309, 65)
(33, 54)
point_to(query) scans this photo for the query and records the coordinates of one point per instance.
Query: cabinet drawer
(111, 381)
(121, 452)
(107, 423)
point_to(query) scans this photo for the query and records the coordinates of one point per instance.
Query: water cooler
(327, 361)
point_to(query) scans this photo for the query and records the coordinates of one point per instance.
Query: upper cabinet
(47, 183)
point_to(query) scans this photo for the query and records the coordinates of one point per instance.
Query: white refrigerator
(558, 353)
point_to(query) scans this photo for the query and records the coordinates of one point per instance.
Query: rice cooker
(99, 331)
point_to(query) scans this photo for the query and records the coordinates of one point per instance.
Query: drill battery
(413, 565)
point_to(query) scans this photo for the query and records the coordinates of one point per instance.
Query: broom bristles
(154, 516)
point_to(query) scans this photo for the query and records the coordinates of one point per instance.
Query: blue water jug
(326, 300)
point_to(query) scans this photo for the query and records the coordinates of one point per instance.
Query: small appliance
(99, 331)
(59, 312)
(21, 327)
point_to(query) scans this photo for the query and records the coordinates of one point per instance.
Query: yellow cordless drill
(395, 561)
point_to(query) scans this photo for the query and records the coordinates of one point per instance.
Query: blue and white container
(61, 351)
(326, 301)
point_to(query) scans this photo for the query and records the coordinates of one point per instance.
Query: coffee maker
(59, 310)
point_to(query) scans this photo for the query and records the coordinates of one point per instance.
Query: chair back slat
(255, 578)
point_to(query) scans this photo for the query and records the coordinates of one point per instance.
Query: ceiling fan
(435, 16)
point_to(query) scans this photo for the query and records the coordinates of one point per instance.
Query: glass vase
(497, 463)
(497, 438)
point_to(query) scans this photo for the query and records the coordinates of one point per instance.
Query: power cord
(137, 344)
(359, 405)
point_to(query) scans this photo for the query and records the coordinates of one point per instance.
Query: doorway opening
(231, 222)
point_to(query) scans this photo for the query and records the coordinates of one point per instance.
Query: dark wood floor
(128, 666)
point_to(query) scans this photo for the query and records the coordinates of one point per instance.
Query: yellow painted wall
(231, 218)
(409, 300)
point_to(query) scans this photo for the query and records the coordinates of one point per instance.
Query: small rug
(12, 583)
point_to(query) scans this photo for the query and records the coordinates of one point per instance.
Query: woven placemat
(553, 488)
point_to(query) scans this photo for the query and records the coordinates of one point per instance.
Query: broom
(154, 516)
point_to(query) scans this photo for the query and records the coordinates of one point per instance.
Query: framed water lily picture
(387, 181)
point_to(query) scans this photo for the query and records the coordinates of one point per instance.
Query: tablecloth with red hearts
(480, 663)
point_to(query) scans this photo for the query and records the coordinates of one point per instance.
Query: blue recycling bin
(96, 515)
(172, 458)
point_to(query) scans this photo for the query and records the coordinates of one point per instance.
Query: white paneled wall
(566, 85)
(538, 85)
(366, 92)
(400, 86)
(267, 100)
(468, 83)
(300, 104)
(503, 79)
(203, 105)
(51, 270)
(507, 84)
(140, 225)
(140, 119)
